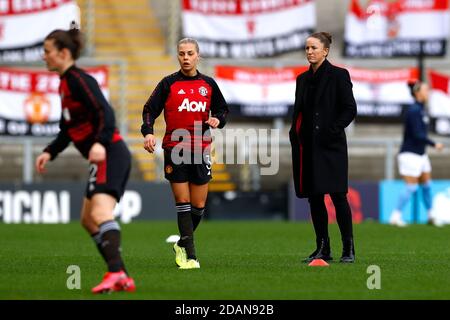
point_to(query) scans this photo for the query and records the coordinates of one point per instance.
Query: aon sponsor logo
(193, 106)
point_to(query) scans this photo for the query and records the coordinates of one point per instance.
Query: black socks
(196, 215)
(186, 228)
(108, 243)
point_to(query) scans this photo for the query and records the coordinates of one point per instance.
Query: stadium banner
(270, 92)
(60, 202)
(399, 28)
(52, 203)
(248, 29)
(382, 93)
(415, 211)
(439, 102)
(24, 25)
(258, 92)
(30, 104)
(362, 198)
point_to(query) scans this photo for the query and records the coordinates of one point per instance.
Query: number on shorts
(92, 175)
(208, 163)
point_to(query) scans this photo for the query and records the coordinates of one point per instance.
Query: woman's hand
(149, 143)
(213, 122)
(439, 146)
(41, 161)
(97, 153)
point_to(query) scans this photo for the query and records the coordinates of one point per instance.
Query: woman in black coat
(324, 106)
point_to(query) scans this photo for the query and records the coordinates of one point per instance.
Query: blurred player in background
(324, 107)
(192, 104)
(88, 121)
(413, 162)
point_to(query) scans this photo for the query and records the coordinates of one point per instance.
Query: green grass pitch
(239, 260)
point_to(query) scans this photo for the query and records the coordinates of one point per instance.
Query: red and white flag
(30, 102)
(248, 29)
(439, 102)
(270, 92)
(258, 92)
(397, 28)
(24, 25)
(382, 93)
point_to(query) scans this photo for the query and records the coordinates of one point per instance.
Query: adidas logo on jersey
(181, 92)
(193, 106)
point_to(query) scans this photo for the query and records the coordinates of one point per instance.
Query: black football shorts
(197, 171)
(111, 175)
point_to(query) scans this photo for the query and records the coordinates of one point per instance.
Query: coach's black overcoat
(331, 109)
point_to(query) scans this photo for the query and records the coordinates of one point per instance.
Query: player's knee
(182, 200)
(99, 217)
(101, 212)
(198, 204)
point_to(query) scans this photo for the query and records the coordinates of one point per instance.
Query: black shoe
(323, 251)
(348, 251)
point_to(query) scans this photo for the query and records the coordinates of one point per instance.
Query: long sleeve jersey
(415, 132)
(187, 103)
(86, 116)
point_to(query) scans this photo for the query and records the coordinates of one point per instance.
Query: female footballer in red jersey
(88, 121)
(192, 103)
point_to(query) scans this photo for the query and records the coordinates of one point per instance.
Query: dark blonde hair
(324, 38)
(189, 40)
(71, 39)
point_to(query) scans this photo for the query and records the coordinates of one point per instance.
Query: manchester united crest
(203, 91)
(168, 169)
(37, 108)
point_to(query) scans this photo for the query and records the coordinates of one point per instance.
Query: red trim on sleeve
(101, 116)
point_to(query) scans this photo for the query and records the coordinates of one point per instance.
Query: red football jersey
(86, 115)
(187, 103)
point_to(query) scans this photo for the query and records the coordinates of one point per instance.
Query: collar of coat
(321, 78)
(325, 66)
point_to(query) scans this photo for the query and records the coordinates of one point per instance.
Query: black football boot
(348, 251)
(323, 251)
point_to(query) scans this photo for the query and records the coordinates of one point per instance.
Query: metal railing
(24, 150)
(89, 9)
(250, 177)
(250, 174)
(174, 26)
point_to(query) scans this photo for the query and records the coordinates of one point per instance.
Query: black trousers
(319, 215)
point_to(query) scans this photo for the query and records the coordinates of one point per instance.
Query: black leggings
(319, 215)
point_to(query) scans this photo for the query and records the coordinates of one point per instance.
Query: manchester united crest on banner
(30, 104)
